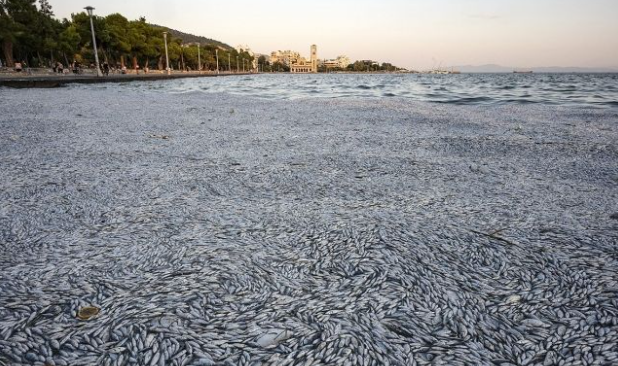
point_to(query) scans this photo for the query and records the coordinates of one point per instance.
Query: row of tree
(360, 66)
(30, 33)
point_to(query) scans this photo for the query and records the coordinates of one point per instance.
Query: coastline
(210, 228)
(16, 80)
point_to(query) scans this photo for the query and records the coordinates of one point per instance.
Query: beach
(156, 228)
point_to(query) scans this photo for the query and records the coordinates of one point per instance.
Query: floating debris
(87, 312)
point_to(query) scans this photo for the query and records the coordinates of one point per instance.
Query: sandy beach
(196, 228)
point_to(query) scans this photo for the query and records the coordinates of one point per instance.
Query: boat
(523, 72)
(441, 71)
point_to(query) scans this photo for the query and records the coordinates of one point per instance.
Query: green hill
(191, 38)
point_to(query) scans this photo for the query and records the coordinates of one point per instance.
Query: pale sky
(416, 34)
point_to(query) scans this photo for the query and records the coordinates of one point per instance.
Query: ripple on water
(555, 89)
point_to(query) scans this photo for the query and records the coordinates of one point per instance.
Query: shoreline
(53, 81)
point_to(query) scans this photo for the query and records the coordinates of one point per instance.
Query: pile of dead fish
(314, 232)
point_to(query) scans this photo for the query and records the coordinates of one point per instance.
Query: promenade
(49, 80)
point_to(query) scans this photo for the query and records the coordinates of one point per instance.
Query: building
(302, 65)
(285, 57)
(341, 62)
(344, 61)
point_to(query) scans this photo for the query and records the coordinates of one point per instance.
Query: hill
(191, 38)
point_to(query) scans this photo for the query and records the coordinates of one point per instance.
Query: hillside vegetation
(193, 39)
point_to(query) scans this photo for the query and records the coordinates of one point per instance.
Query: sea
(583, 90)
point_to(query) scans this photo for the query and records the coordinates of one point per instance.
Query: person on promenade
(18, 66)
(106, 68)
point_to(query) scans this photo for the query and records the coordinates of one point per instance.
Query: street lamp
(229, 62)
(167, 57)
(89, 9)
(217, 56)
(237, 63)
(199, 59)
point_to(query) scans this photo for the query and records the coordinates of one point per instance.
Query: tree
(46, 32)
(359, 66)
(69, 41)
(16, 16)
(120, 43)
(262, 61)
(8, 33)
(82, 24)
(45, 8)
(153, 43)
(174, 51)
(32, 34)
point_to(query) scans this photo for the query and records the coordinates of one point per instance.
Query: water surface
(600, 90)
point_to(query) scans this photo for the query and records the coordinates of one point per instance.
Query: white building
(341, 62)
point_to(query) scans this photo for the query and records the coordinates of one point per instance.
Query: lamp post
(89, 9)
(243, 65)
(199, 59)
(217, 56)
(167, 57)
(229, 62)
(237, 63)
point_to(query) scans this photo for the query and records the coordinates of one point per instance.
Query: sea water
(588, 90)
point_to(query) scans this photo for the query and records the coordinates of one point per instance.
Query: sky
(416, 34)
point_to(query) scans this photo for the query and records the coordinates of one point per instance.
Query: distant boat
(523, 72)
(441, 71)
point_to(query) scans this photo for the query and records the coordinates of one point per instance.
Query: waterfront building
(287, 57)
(302, 65)
(341, 62)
